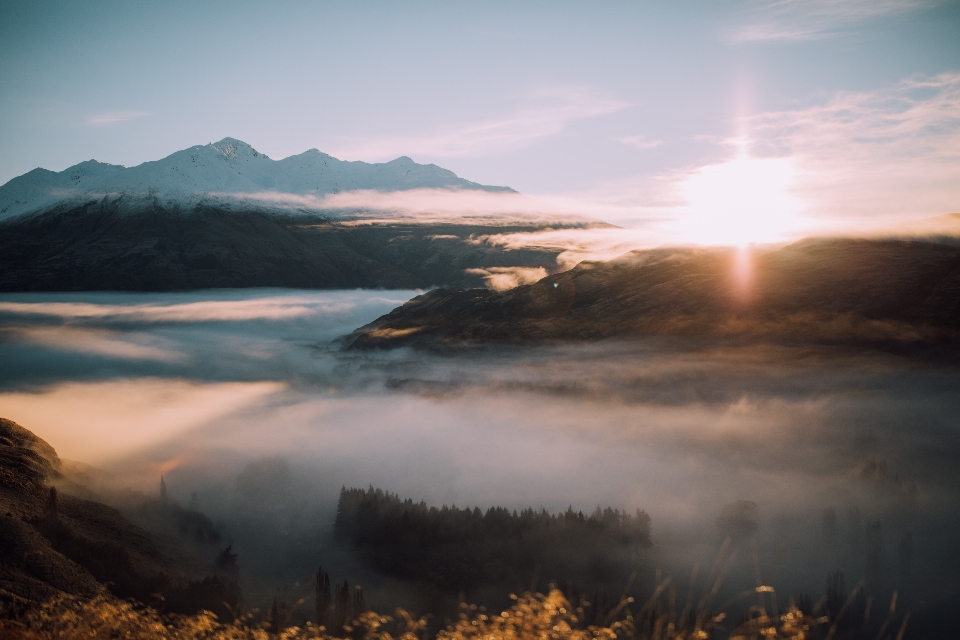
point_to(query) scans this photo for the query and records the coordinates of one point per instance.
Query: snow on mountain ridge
(214, 172)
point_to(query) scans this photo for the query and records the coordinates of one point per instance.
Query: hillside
(97, 247)
(57, 543)
(835, 289)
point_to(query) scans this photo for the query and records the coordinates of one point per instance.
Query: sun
(742, 201)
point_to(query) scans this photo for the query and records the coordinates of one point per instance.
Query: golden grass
(531, 617)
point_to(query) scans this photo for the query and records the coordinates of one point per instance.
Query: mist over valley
(249, 407)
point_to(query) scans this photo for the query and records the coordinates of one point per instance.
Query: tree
(274, 617)
(342, 605)
(163, 490)
(227, 561)
(323, 599)
(359, 604)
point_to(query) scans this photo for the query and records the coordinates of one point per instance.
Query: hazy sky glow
(843, 112)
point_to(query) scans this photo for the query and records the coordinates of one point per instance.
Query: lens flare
(742, 273)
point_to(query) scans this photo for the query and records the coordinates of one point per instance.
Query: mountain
(225, 171)
(822, 290)
(225, 215)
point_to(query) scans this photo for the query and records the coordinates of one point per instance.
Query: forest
(449, 552)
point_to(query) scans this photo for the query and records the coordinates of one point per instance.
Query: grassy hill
(826, 290)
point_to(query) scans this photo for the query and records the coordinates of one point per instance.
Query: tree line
(453, 551)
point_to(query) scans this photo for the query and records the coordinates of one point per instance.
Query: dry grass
(532, 617)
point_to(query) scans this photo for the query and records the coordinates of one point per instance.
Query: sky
(780, 116)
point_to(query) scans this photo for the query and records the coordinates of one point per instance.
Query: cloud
(278, 308)
(676, 429)
(576, 245)
(850, 162)
(503, 278)
(793, 20)
(111, 117)
(847, 162)
(101, 342)
(547, 113)
(432, 206)
(872, 155)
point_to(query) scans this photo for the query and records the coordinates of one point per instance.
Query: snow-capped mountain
(225, 215)
(220, 172)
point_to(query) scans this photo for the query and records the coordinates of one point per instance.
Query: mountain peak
(233, 148)
(222, 170)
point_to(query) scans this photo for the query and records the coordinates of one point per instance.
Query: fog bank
(245, 404)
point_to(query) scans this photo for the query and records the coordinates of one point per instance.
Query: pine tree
(227, 561)
(323, 599)
(275, 617)
(359, 604)
(163, 491)
(342, 605)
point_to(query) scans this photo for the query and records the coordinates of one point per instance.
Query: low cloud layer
(759, 407)
(677, 429)
(102, 342)
(576, 245)
(224, 305)
(430, 206)
(503, 278)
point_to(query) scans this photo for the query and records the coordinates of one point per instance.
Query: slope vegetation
(54, 543)
(100, 247)
(817, 289)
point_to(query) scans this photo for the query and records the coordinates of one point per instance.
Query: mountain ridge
(221, 171)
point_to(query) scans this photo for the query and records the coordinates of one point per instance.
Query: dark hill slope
(817, 289)
(102, 246)
(54, 542)
(30, 569)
